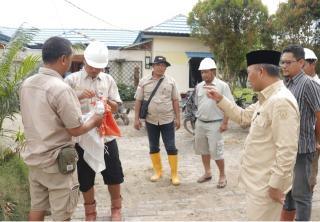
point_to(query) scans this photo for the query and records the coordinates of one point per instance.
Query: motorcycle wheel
(189, 125)
(125, 120)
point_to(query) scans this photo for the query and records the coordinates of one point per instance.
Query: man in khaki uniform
(92, 84)
(271, 146)
(51, 116)
(163, 116)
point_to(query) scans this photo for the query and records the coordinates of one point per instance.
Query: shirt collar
(86, 75)
(214, 81)
(152, 78)
(294, 80)
(270, 90)
(50, 72)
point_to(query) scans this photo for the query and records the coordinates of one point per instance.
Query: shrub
(14, 188)
(126, 92)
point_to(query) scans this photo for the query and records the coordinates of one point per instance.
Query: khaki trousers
(262, 208)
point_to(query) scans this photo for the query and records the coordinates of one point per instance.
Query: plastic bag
(93, 146)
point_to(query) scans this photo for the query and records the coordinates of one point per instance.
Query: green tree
(295, 22)
(231, 28)
(298, 22)
(13, 72)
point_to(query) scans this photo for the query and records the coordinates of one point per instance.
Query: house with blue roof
(172, 39)
(131, 51)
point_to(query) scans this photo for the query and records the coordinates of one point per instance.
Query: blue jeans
(168, 137)
(300, 197)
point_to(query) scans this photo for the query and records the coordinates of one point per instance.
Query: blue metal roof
(199, 54)
(113, 38)
(176, 25)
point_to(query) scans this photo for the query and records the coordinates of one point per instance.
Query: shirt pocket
(166, 92)
(259, 127)
(201, 93)
(260, 120)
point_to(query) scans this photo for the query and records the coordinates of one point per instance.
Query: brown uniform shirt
(160, 109)
(48, 107)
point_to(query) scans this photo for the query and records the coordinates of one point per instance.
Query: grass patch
(14, 188)
(247, 93)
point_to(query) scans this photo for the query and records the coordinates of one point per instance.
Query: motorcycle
(189, 110)
(122, 113)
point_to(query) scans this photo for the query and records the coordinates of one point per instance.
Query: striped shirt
(307, 93)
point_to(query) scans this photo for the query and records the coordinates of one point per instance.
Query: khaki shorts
(208, 140)
(53, 191)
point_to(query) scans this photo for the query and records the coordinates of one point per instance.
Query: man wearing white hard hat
(310, 69)
(91, 84)
(210, 123)
(310, 64)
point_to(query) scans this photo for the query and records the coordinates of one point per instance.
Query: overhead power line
(96, 17)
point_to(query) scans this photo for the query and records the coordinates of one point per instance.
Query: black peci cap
(263, 57)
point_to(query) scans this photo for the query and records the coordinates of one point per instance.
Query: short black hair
(296, 50)
(54, 48)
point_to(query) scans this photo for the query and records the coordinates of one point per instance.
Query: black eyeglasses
(287, 63)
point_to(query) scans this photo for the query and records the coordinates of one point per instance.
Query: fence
(126, 72)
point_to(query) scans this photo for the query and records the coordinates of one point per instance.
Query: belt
(210, 121)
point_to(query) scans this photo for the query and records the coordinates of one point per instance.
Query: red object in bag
(109, 126)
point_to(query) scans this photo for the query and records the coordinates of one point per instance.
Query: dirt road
(147, 201)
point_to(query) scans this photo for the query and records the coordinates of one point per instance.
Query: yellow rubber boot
(157, 166)
(173, 161)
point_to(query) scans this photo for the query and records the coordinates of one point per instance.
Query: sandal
(204, 178)
(222, 184)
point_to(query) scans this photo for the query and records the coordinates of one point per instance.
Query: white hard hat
(309, 54)
(96, 55)
(207, 63)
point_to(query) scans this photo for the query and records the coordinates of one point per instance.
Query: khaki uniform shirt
(48, 107)
(207, 108)
(104, 86)
(271, 146)
(160, 109)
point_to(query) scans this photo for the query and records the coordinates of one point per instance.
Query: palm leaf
(20, 39)
(29, 64)
(12, 73)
